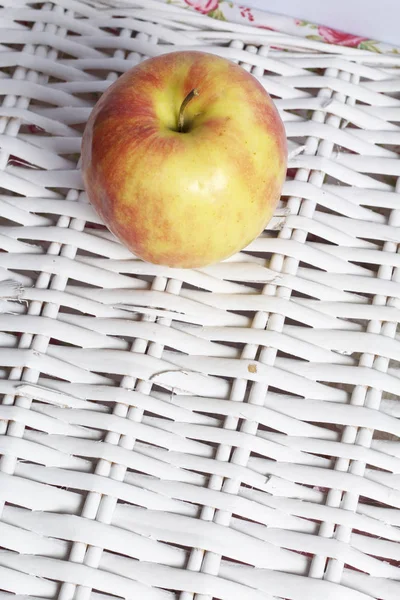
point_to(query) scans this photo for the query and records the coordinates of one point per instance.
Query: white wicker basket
(227, 433)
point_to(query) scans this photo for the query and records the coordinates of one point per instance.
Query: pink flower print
(339, 37)
(203, 6)
(246, 13)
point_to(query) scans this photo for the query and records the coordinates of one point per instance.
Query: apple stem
(181, 119)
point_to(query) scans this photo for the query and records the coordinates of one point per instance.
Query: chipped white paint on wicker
(225, 433)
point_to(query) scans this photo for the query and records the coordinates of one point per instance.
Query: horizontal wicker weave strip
(228, 433)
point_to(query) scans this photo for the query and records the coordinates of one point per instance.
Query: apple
(184, 157)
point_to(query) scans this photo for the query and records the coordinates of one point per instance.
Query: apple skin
(185, 199)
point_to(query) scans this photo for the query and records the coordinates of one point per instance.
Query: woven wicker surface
(227, 433)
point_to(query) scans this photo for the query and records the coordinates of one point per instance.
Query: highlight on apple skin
(184, 158)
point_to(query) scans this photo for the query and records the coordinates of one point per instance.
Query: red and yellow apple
(184, 157)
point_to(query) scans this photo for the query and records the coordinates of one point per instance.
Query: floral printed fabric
(225, 10)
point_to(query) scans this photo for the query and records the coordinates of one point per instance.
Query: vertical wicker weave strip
(229, 433)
